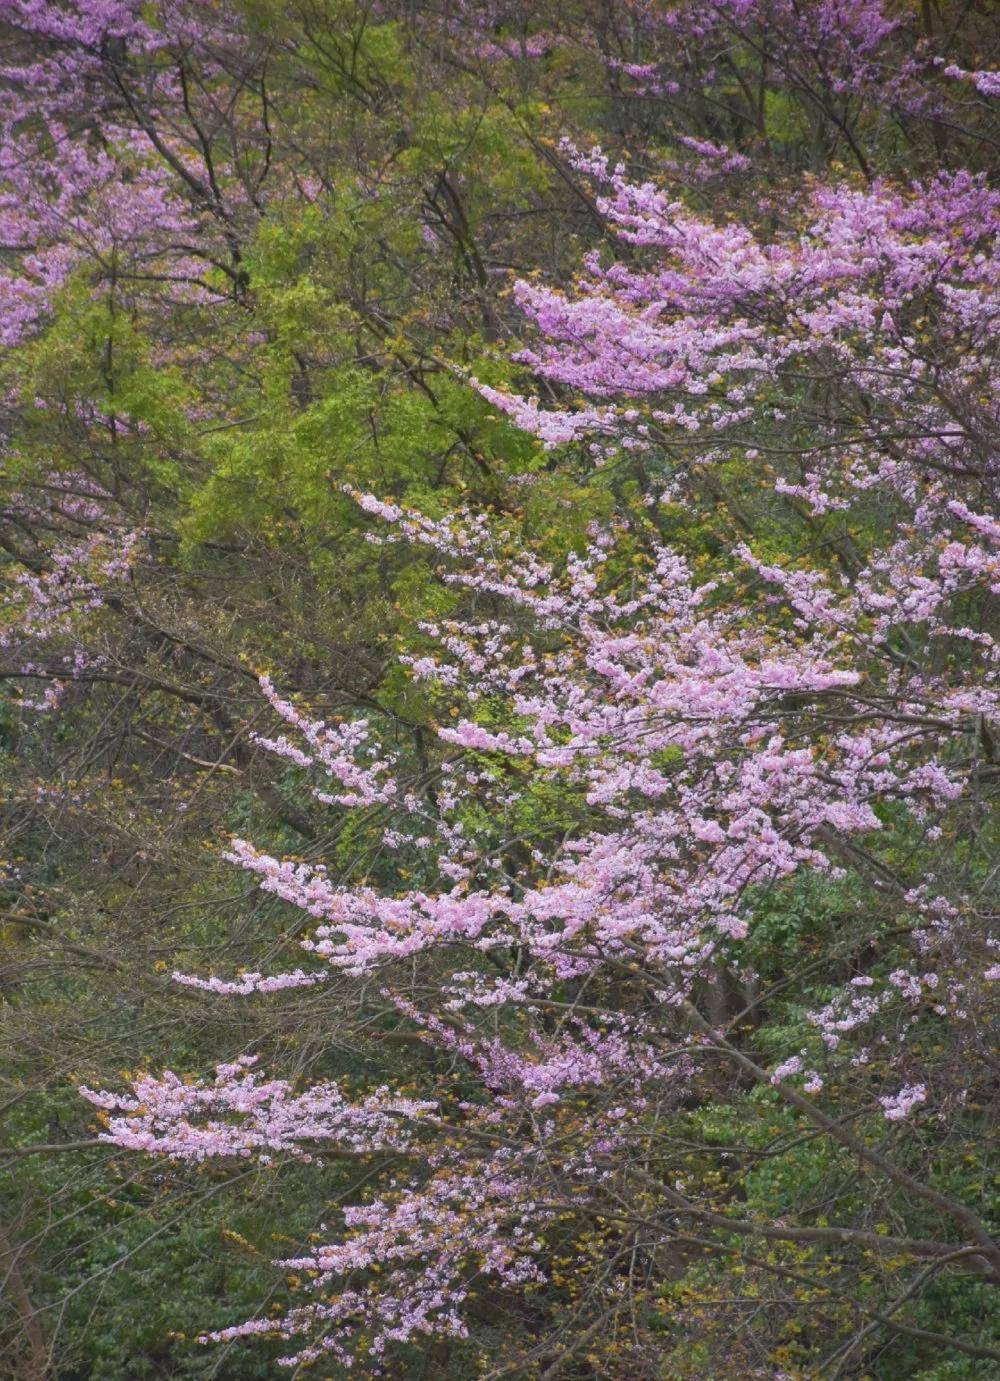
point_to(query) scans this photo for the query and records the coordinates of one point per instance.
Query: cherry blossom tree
(712, 738)
(134, 144)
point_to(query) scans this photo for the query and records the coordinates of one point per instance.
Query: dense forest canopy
(499, 689)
